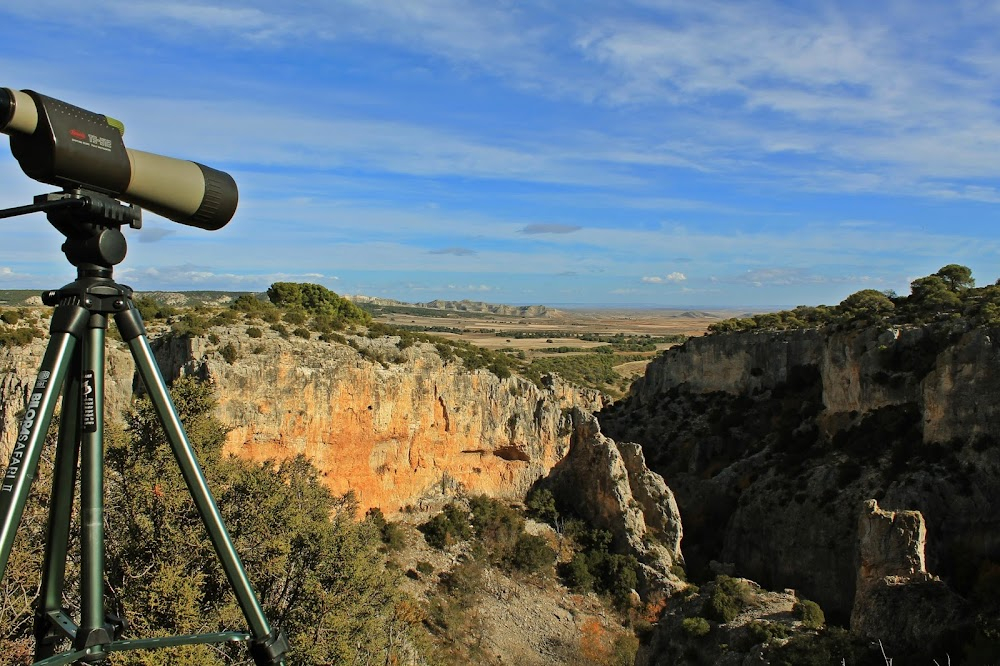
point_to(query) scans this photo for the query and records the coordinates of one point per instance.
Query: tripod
(73, 366)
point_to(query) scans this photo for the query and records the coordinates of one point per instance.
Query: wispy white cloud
(671, 278)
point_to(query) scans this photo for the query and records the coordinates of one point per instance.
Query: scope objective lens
(6, 108)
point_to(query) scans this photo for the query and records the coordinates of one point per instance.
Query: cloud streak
(455, 251)
(550, 228)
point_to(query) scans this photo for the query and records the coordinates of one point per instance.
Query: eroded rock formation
(610, 485)
(898, 601)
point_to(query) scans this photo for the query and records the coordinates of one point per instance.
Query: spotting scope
(63, 145)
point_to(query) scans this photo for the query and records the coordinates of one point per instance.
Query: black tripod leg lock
(269, 650)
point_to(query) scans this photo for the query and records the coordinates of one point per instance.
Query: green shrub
(624, 649)
(333, 337)
(532, 553)
(214, 338)
(149, 308)
(619, 577)
(249, 304)
(696, 627)
(576, 574)
(10, 317)
(375, 516)
(255, 332)
(302, 332)
(764, 632)
(392, 534)
(425, 568)
(810, 613)
(541, 506)
(498, 527)
(190, 324)
(448, 527)
(225, 318)
(18, 337)
(295, 317)
(230, 353)
(613, 574)
(465, 580)
(317, 300)
(728, 598)
(827, 646)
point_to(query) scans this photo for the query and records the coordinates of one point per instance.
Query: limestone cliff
(771, 440)
(394, 425)
(393, 432)
(938, 368)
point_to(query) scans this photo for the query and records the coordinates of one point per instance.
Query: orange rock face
(397, 434)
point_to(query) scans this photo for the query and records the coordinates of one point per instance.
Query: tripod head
(91, 223)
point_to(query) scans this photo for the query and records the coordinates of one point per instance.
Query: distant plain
(559, 329)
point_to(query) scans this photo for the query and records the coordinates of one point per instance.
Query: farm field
(558, 333)
(561, 326)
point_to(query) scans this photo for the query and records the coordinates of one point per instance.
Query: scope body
(67, 146)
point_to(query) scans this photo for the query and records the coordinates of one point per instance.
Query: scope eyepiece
(64, 145)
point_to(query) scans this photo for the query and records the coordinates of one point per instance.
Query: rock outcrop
(897, 601)
(740, 642)
(19, 367)
(611, 487)
(771, 440)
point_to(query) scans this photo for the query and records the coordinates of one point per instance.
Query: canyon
(774, 441)
(755, 451)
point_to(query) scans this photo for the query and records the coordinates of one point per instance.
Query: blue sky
(649, 152)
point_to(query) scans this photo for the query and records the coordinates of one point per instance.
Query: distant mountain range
(478, 307)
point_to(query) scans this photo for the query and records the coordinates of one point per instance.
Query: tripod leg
(68, 323)
(51, 623)
(93, 629)
(268, 645)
